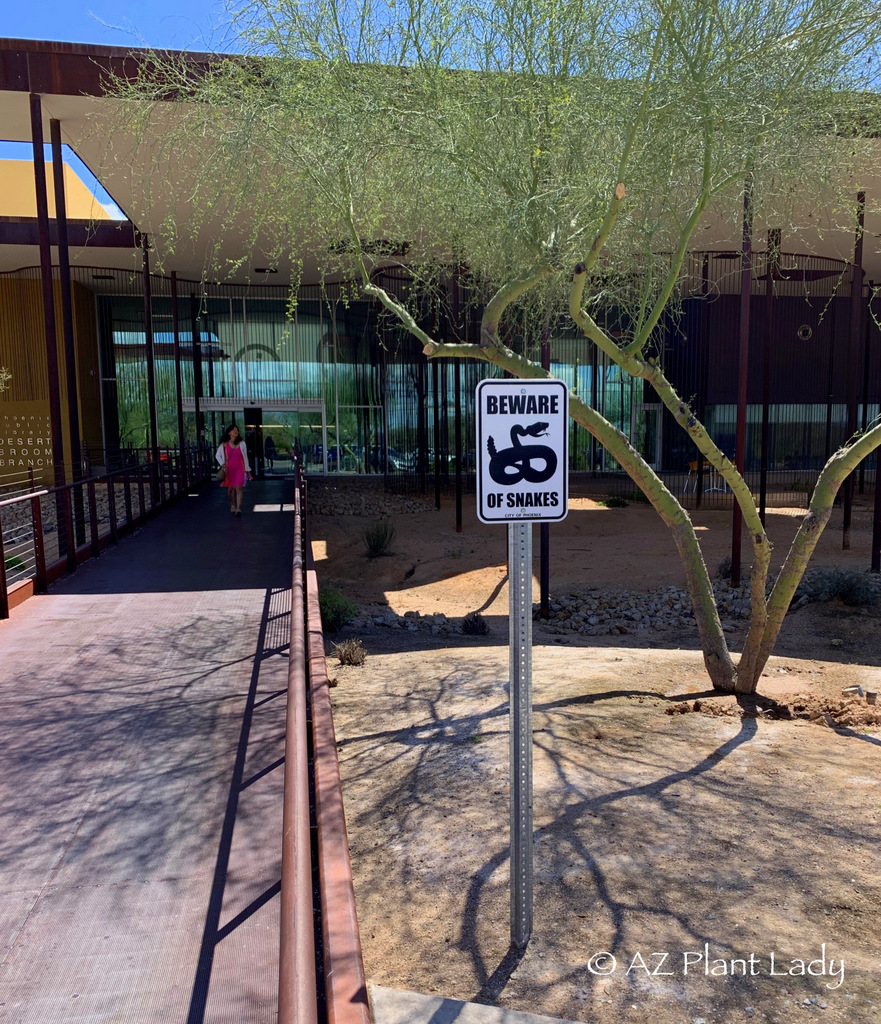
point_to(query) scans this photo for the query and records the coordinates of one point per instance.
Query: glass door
(287, 432)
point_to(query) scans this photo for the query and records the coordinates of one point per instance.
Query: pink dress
(235, 466)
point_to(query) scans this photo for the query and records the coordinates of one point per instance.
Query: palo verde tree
(560, 156)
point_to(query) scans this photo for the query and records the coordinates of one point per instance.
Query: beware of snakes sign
(522, 451)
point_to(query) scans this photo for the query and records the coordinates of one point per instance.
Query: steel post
(151, 373)
(703, 374)
(544, 529)
(457, 384)
(62, 508)
(73, 415)
(771, 261)
(520, 738)
(853, 335)
(746, 268)
(127, 485)
(436, 425)
(39, 546)
(4, 596)
(93, 520)
(197, 367)
(867, 364)
(178, 386)
(876, 521)
(111, 509)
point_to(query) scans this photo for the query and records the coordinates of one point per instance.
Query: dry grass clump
(378, 538)
(474, 624)
(349, 652)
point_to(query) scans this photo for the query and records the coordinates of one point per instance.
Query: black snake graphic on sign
(511, 465)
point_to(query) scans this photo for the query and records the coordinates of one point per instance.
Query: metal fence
(47, 532)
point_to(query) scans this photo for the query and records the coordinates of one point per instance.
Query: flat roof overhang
(71, 79)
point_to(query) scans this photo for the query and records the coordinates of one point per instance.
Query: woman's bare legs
(238, 496)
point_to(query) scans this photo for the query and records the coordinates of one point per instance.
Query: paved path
(396, 1006)
(141, 737)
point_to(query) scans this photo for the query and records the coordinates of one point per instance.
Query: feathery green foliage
(557, 158)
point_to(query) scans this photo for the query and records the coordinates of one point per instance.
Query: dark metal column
(594, 402)
(867, 362)
(457, 383)
(772, 261)
(48, 289)
(436, 425)
(73, 413)
(178, 387)
(703, 375)
(575, 441)
(830, 386)
(853, 340)
(151, 375)
(422, 424)
(743, 376)
(197, 369)
(62, 503)
(876, 524)
(544, 576)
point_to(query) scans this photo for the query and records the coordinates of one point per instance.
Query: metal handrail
(341, 964)
(39, 552)
(297, 984)
(22, 497)
(191, 468)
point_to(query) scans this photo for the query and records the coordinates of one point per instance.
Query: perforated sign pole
(522, 478)
(520, 738)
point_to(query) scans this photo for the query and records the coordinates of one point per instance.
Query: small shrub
(336, 609)
(851, 585)
(474, 624)
(635, 496)
(349, 652)
(378, 538)
(614, 502)
(858, 588)
(13, 563)
(723, 569)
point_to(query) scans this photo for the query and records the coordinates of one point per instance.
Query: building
(93, 348)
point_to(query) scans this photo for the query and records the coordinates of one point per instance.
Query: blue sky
(176, 24)
(179, 24)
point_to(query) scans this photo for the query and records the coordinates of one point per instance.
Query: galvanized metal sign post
(522, 453)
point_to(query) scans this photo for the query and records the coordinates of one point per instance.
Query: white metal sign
(522, 451)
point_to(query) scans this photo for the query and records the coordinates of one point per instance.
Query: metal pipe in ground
(297, 999)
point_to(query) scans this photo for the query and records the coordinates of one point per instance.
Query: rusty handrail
(297, 995)
(345, 983)
(199, 462)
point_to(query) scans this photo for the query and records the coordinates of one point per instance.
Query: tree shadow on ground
(630, 816)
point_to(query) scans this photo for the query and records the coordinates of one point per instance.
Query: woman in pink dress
(234, 455)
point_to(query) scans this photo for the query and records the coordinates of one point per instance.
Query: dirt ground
(696, 860)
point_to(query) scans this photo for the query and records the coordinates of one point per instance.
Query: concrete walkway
(396, 1006)
(142, 709)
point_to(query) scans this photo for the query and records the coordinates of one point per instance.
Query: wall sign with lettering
(24, 441)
